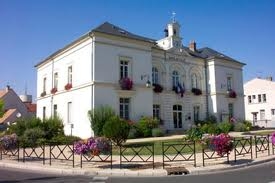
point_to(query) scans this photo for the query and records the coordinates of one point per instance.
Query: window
(196, 113)
(259, 98)
(155, 75)
(272, 112)
(264, 97)
(55, 110)
(194, 81)
(55, 80)
(44, 113)
(175, 78)
(124, 69)
(249, 99)
(229, 83)
(44, 84)
(254, 98)
(230, 110)
(70, 74)
(156, 111)
(177, 116)
(124, 108)
(69, 113)
(262, 114)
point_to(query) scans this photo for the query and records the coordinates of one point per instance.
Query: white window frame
(249, 99)
(156, 111)
(177, 116)
(272, 112)
(262, 114)
(44, 113)
(259, 98)
(230, 110)
(123, 68)
(55, 80)
(194, 80)
(70, 74)
(155, 75)
(44, 84)
(229, 83)
(55, 110)
(264, 97)
(124, 108)
(175, 78)
(69, 112)
(196, 113)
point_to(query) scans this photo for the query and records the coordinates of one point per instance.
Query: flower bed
(92, 146)
(221, 143)
(126, 83)
(9, 142)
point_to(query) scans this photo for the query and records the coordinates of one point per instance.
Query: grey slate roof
(108, 28)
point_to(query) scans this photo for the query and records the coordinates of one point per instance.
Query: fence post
(80, 160)
(18, 152)
(235, 147)
(256, 145)
(111, 155)
(24, 154)
(163, 155)
(50, 154)
(202, 156)
(153, 146)
(44, 153)
(268, 145)
(227, 158)
(250, 143)
(120, 156)
(73, 154)
(194, 151)
(1, 153)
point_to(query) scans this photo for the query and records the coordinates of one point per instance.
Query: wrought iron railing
(242, 147)
(261, 144)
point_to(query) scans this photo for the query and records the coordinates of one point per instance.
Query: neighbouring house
(138, 76)
(14, 107)
(260, 102)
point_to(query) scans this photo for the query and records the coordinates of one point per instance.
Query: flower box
(68, 86)
(196, 91)
(126, 83)
(43, 94)
(232, 94)
(157, 88)
(53, 90)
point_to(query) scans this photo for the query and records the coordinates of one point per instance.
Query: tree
(98, 118)
(2, 111)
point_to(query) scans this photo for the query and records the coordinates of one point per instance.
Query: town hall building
(138, 76)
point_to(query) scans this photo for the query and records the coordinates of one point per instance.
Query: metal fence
(261, 145)
(242, 147)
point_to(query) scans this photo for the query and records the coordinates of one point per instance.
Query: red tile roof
(31, 107)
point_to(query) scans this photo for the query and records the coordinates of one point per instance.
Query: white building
(92, 66)
(260, 102)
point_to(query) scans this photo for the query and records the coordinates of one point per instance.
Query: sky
(31, 30)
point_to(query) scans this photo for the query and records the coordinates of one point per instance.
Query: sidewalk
(66, 168)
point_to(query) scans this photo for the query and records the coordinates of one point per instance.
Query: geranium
(92, 146)
(9, 142)
(273, 138)
(222, 143)
(126, 83)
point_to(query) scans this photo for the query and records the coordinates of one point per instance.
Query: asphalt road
(264, 173)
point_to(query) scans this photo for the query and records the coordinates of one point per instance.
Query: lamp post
(148, 83)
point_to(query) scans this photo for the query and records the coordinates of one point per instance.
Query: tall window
(69, 113)
(259, 98)
(124, 69)
(55, 80)
(155, 75)
(175, 78)
(156, 111)
(177, 116)
(230, 110)
(254, 98)
(44, 113)
(249, 99)
(262, 114)
(55, 110)
(44, 84)
(264, 97)
(272, 112)
(196, 113)
(229, 83)
(194, 81)
(124, 108)
(70, 74)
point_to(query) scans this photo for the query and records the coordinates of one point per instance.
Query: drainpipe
(52, 87)
(206, 88)
(92, 69)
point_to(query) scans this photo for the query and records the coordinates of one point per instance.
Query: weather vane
(173, 16)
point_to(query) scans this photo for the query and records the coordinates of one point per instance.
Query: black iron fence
(34, 153)
(242, 147)
(212, 155)
(62, 153)
(137, 153)
(14, 153)
(261, 145)
(178, 152)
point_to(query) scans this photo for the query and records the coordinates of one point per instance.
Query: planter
(232, 94)
(53, 90)
(43, 94)
(126, 83)
(196, 91)
(68, 86)
(157, 88)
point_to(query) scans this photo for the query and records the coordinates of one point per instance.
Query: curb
(233, 167)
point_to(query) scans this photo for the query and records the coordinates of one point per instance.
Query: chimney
(8, 88)
(269, 78)
(192, 46)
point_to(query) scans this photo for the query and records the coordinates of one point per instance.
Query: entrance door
(254, 117)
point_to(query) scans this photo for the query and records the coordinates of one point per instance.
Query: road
(264, 173)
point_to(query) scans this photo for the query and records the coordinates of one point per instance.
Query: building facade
(111, 66)
(260, 102)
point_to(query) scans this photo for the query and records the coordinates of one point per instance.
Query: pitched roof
(208, 53)
(8, 114)
(109, 28)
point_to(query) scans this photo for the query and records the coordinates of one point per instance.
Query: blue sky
(31, 30)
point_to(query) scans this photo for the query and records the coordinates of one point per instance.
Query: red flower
(68, 86)
(126, 83)
(232, 94)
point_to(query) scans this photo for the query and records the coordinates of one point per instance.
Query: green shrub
(157, 132)
(116, 129)
(33, 137)
(53, 127)
(213, 129)
(239, 127)
(2, 111)
(248, 125)
(225, 127)
(62, 139)
(194, 134)
(146, 124)
(23, 124)
(98, 117)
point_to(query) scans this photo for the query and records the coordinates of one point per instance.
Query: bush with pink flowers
(273, 138)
